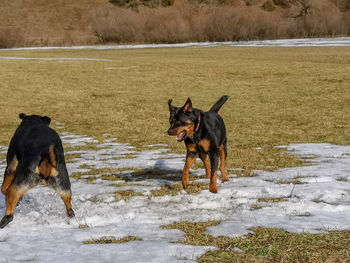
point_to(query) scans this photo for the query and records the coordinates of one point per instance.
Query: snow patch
(321, 202)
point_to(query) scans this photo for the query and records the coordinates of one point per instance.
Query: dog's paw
(225, 178)
(213, 188)
(185, 185)
(5, 220)
(185, 181)
(71, 214)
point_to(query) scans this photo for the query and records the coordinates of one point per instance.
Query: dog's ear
(171, 107)
(188, 105)
(46, 120)
(22, 116)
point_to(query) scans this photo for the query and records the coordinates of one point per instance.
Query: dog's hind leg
(67, 198)
(223, 154)
(64, 192)
(23, 180)
(59, 178)
(9, 174)
(13, 195)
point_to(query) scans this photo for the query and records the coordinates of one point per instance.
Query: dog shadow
(159, 172)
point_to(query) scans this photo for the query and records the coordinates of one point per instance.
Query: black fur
(208, 129)
(33, 144)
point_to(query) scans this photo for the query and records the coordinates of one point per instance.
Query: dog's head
(34, 119)
(182, 120)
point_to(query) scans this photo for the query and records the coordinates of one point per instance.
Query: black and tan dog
(35, 154)
(204, 134)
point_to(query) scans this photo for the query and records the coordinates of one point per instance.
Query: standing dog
(204, 133)
(35, 154)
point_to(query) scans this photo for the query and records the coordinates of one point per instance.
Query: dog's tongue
(180, 136)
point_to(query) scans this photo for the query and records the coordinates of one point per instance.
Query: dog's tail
(218, 104)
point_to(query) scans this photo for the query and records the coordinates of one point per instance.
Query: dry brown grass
(111, 240)
(125, 194)
(277, 95)
(267, 245)
(174, 189)
(272, 199)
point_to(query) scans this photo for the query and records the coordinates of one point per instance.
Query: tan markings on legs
(191, 147)
(212, 186)
(9, 175)
(12, 166)
(186, 172)
(205, 144)
(66, 197)
(8, 178)
(206, 164)
(13, 194)
(223, 164)
(53, 172)
(52, 156)
(45, 169)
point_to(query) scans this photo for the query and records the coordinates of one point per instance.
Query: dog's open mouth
(181, 136)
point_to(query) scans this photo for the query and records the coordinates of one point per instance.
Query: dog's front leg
(214, 161)
(190, 159)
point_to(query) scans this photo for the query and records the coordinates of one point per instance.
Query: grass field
(277, 96)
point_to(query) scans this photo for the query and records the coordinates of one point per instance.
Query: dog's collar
(199, 122)
(197, 128)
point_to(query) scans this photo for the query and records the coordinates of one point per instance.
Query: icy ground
(299, 42)
(40, 231)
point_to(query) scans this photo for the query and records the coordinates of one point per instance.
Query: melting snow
(40, 231)
(300, 42)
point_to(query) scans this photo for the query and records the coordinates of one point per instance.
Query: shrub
(268, 6)
(137, 3)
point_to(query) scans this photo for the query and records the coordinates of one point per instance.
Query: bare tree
(304, 7)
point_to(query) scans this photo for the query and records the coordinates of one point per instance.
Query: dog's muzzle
(171, 131)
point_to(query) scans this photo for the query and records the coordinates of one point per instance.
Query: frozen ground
(300, 42)
(41, 233)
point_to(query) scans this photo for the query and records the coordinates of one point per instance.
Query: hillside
(63, 22)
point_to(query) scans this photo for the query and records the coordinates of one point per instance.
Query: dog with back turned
(204, 134)
(35, 154)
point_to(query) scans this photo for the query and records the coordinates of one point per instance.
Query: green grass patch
(122, 184)
(256, 207)
(289, 182)
(77, 175)
(272, 199)
(111, 177)
(267, 245)
(91, 179)
(343, 179)
(111, 240)
(110, 174)
(245, 173)
(87, 146)
(126, 194)
(94, 199)
(69, 158)
(3, 156)
(174, 189)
